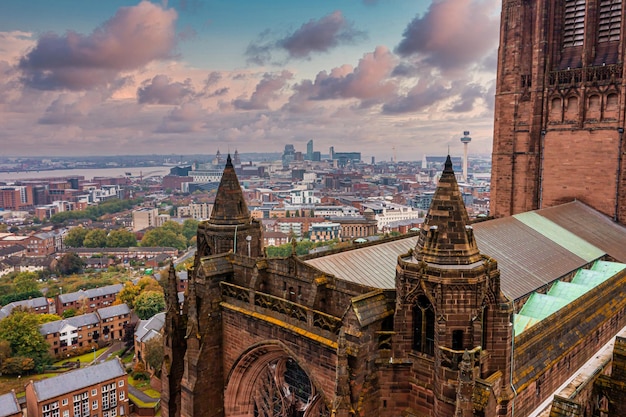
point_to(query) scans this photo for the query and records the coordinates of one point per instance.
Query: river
(88, 173)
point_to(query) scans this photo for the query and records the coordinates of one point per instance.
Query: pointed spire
(446, 237)
(230, 207)
(172, 290)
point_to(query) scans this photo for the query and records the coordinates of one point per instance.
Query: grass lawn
(85, 358)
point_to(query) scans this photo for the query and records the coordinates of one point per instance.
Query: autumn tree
(75, 237)
(149, 303)
(96, 238)
(154, 353)
(128, 294)
(121, 238)
(25, 282)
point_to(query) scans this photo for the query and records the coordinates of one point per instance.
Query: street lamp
(93, 348)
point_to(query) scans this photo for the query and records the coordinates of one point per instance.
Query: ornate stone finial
(294, 246)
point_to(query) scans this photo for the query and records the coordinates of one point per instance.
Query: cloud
(129, 40)
(368, 82)
(452, 33)
(161, 90)
(266, 90)
(467, 98)
(184, 119)
(315, 36)
(425, 93)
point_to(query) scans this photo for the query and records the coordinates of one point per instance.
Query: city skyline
(126, 77)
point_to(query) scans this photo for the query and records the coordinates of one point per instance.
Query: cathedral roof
(446, 237)
(230, 207)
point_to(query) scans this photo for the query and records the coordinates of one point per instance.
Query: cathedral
(521, 315)
(559, 107)
(488, 319)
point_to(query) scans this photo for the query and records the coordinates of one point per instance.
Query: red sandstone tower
(452, 322)
(559, 109)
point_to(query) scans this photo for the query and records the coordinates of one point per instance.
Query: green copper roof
(540, 306)
(560, 236)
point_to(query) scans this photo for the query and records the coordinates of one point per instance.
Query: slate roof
(31, 303)
(46, 389)
(9, 404)
(531, 251)
(76, 321)
(113, 311)
(94, 292)
(147, 329)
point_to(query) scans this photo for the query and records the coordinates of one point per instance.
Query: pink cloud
(452, 33)
(161, 90)
(266, 90)
(129, 40)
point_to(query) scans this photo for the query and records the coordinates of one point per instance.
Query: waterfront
(88, 173)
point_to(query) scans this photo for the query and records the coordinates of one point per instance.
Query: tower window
(424, 326)
(457, 339)
(574, 23)
(610, 20)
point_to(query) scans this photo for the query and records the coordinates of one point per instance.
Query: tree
(96, 238)
(128, 294)
(70, 263)
(47, 318)
(75, 237)
(190, 228)
(161, 236)
(121, 238)
(25, 282)
(148, 303)
(173, 226)
(70, 312)
(154, 353)
(147, 283)
(21, 330)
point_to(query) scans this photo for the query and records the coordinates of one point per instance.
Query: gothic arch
(267, 380)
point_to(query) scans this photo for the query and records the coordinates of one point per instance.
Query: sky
(393, 79)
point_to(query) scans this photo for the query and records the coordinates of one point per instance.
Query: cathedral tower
(559, 110)
(452, 322)
(231, 227)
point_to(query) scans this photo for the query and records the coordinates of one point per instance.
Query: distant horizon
(152, 77)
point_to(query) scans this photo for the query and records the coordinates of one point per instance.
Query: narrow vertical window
(610, 20)
(424, 326)
(574, 23)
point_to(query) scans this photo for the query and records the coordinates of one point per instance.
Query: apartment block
(100, 390)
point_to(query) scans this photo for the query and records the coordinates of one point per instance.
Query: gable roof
(78, 379)
(530, 252)
(9, 404)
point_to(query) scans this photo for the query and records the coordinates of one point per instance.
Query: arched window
(424, 326)
(555, 110)
(593, 110)
(571, 110)
(485, 328)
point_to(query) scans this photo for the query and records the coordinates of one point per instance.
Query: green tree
(164, 237)
(75, 237)
(173, 226)
(154, 353)
(148, 303)
(21, 330)
(96, 238)
(25, 282)
(190, 228)
(70, 312)
(47, 318)
(70, 263)
(121, 238)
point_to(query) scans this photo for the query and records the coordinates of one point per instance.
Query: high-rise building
(559, 109)
(309, 150)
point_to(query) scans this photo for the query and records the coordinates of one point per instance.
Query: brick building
(559, 107)
(86, 330)
(100, 390)
(489, 319)
(87, 301)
